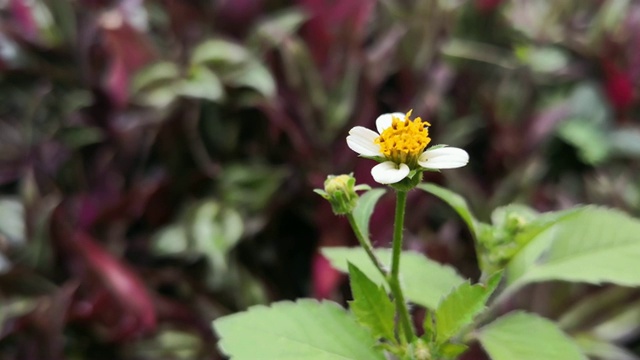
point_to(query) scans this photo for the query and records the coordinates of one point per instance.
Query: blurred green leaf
(215, 230)
(371, 305)
(590, 307)
(253, 76)
(603, 350)
(588, 102)
(590, 244)
(364, 208)
(170, 344)
(591, 141)
(250, 186)
(625, 142)
(473, 50)
(457, 202)
(13, 308)
(543, 59)
(79, 136)
(171, 240)
(621, 326)
(162, 72)
(12, 221)
(202, 83)
(424, 281)
(218, 51)
(306, 329)
(525, 336)
(280, 26)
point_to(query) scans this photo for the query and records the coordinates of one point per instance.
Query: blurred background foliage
(157, 157)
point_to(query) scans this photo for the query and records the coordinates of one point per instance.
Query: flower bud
(421, 350)
(340, 190)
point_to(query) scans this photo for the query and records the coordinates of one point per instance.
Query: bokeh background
(157, 158)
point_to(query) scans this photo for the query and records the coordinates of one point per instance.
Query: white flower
(401, 142)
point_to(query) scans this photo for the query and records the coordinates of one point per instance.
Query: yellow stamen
(405, 140)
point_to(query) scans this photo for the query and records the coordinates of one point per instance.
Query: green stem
(394, 282)
(366, 245)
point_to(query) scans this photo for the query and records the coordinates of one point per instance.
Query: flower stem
(394, 282)
(366, 245)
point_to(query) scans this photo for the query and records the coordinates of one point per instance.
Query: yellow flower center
(405, 140)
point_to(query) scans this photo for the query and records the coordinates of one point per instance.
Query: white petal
(444, 158)
(384, 121)
(361, 140)
(389, 172)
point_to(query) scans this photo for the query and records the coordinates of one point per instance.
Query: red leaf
(325, 277)
(122, 284)
(618, 86)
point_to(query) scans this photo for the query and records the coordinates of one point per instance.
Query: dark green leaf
(459, 308)
(371, 305)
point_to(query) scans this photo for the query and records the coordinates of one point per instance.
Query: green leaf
(525, 336)
(457, 202)
(280, 26)
(364, 209)
(600, 349)
(371, 305)
(202, 83)
(424, 281)
(542, 59)
(463, 303)
(254, 76)
(306, 329)
(154, 74)
(582, 134)
(219, 51)
(452, 351)
(590, 244)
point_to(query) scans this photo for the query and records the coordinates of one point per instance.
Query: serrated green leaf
(364, 209)
(306, 329)
(461, 305)
(424, 281)
(590, 244)
(457, 202)
(526, 336)
(371, 305)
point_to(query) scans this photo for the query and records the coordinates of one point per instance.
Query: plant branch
(393, 280)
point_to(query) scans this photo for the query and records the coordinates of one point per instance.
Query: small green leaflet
(364, 209)
(457, 202)
(524, 336)
(306, 329)
(591, 244)
(463, 303)
(424, 281)
(371, 305)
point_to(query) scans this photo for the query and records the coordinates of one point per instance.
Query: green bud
(340, 190)
(421, 350)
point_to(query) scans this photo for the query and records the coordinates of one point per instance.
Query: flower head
(401, 146)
